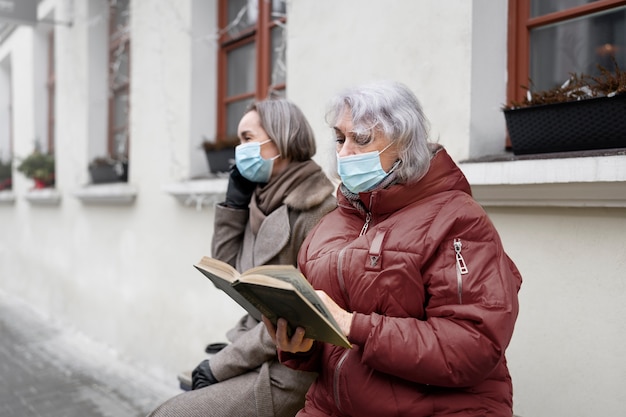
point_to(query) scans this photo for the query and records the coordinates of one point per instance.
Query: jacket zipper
(343, 358)
(368, 217)
(461, 268)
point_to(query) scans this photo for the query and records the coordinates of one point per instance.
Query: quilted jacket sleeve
(468, 325)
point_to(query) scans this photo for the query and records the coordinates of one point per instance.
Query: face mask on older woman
(362, 171)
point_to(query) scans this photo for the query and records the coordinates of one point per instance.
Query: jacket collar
(443, 175)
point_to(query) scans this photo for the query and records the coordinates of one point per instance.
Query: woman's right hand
(239, 191)
(296, 343)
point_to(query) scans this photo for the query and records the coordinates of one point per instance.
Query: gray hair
(393, 110)
(287, 127)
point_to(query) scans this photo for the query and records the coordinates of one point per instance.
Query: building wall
(122, 273)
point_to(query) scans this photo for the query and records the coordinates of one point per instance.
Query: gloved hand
(240, 190)
(202, 376)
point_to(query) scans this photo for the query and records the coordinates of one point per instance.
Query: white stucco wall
(123, 275)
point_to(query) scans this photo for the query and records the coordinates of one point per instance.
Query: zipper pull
(368, 217)
(460, 262)
(461, 268)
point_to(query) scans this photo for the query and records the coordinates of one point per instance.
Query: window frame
(261, 35)
(519, 26)
(51, 89)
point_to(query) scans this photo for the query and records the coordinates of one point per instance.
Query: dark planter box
(101, 174)
(220, 160)
(596, 123)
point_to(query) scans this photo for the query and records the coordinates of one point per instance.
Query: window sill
(119, 193)
(198, 193)
(572, 181)
(43, 197)
(7, 197)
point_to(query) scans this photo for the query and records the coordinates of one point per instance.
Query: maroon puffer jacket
(429, 330)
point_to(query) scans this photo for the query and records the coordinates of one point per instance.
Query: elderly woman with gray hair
(413, 271)
(276, 194)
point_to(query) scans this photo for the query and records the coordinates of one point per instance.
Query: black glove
(202, 376)
(239, 191)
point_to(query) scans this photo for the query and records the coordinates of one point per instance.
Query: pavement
(47, 370)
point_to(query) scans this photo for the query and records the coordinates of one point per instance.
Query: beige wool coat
(252, 380)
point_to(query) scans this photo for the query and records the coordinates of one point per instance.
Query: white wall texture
(122, 274)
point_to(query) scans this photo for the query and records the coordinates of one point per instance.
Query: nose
(348, 148)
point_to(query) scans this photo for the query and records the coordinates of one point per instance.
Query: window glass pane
(242, 15)
(279, 8)
(234, 112)
(120, 110)
(577, 46)
(241, 70)
(120, 145)
(119, 66)
(541, 7)
(122, 13)
(278, 47)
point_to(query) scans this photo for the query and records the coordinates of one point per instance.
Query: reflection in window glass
(234, 113)
(577, 46)
(278, 46)
(120, 66)
(120, 146)
(122, 14)
(541, 7)
(242, 70)
(242, 15)
(121, 110)
(279, 8)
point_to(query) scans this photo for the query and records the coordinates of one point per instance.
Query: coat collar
(443, 175)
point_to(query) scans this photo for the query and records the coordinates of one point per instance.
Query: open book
(276, 291)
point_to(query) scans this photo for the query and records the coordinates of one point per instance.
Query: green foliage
(38, 165)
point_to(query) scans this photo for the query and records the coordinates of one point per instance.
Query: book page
(222, 276)
(294, 277)
(283, 300)
(219, 268)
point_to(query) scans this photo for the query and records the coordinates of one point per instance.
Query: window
(550, 39)
(251, 62)
(119, 78)
(50, 86)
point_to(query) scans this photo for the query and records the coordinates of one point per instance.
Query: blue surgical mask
(250, 163)
(361, 172)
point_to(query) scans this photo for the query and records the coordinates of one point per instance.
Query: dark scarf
(270, 196)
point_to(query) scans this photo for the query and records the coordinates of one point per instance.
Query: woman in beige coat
(276, 194)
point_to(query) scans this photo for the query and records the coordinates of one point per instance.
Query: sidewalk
(49, 371)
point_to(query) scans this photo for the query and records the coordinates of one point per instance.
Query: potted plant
(105, 169)
(6, 175)
(220, 153)
(584, 113)
(40, 167)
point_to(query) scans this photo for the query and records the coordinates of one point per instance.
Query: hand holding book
(295, 341)
(281, 291)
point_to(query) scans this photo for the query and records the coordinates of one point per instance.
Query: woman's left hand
(297, 342)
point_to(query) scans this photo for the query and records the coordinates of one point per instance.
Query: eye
(362, 139)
